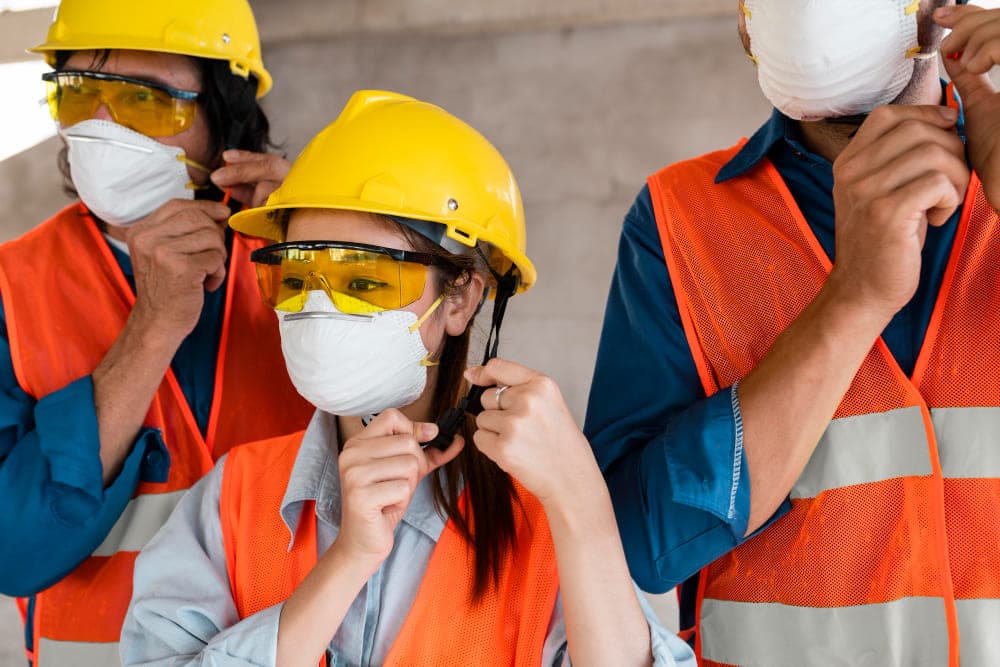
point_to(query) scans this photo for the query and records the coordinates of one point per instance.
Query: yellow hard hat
(216, 29)
(397, 156)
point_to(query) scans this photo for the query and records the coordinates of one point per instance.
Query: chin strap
(451, 420)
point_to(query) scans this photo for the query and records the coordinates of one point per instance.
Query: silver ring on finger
(499, 392)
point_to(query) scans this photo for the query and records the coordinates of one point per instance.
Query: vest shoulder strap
(263, 571)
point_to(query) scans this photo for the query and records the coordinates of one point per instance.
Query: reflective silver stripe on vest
(142, 517)
(968, 441)
(52, 653)
(909, 631)
(866, 448)
(978, 623)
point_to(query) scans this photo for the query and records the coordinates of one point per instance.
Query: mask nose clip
(325, 315)
(317, 282)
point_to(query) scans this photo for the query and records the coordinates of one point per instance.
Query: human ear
(460, 307)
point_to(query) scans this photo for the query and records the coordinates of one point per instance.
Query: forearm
(124, 385)
(787, 401)
(311, 616)
(605, 624)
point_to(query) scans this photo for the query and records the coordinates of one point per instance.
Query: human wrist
(576, 505)
(350, 563)
(846, 302)
(152, 331)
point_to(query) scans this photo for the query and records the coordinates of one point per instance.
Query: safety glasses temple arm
(53, 77)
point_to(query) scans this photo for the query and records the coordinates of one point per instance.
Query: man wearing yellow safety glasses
(134, 349)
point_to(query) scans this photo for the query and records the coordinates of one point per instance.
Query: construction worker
(131, 352)
(806, 323)
(351, 541)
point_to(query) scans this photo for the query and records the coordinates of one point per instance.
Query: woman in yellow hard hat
(397, 528)
(130, 326)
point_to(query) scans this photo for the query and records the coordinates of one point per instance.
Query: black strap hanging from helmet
(451, 420)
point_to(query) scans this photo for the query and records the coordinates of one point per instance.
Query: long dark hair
(488, 522)
(235, 119)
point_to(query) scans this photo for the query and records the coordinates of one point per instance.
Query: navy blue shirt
(56, 510)
(673, 459)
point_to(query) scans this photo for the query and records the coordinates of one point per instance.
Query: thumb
(437, 458)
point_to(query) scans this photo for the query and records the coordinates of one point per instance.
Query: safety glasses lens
(74, 98)
(357, 282)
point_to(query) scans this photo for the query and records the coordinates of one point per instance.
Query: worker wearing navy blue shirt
(692, 476)
(130, 324)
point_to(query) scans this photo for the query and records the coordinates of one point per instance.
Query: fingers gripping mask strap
(451, 421)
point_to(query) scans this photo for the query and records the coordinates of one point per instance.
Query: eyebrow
(158, 80)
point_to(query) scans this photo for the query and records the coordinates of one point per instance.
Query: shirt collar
(316, 476)
(780, 127)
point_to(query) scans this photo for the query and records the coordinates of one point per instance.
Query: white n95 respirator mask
(819, 59)
(121, 175)
(354, 365)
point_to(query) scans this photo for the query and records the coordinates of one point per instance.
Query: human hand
(529, 432)
(379, 471)
(904, 169)
(177, 252)
(252, 177)
(970, 52)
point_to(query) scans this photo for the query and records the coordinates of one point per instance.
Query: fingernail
(470, 373)
(218, 174)
(948, 113)
(427, 431)
(943, 12)
(230, 154)
(967, 57)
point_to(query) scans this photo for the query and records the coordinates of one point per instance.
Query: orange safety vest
(891, 550)
(66, 301)
(508, 626)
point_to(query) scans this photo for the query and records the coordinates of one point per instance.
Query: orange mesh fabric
(741, 278)
(507, 626)
(958, 367)
(262, 570)
(66, 302)
(871, 549)
(443, 628)
(971, 510)
(254, 397)
(91, 603)
(744, 264)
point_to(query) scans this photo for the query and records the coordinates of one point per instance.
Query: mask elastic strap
(430, 311)
(191, 163)
(191, 185)
(451, 420)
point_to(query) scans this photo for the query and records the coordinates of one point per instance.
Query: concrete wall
(582, 106)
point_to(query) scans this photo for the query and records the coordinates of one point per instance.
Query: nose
(103, 113)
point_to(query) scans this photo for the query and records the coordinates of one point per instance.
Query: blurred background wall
(585, 98)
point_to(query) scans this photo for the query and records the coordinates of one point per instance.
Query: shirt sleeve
(182, 610)
(668, 649)
(51, 479)
(673, 459)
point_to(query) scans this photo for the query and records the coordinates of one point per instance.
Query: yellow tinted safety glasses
(146, 107)
(358, 278)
